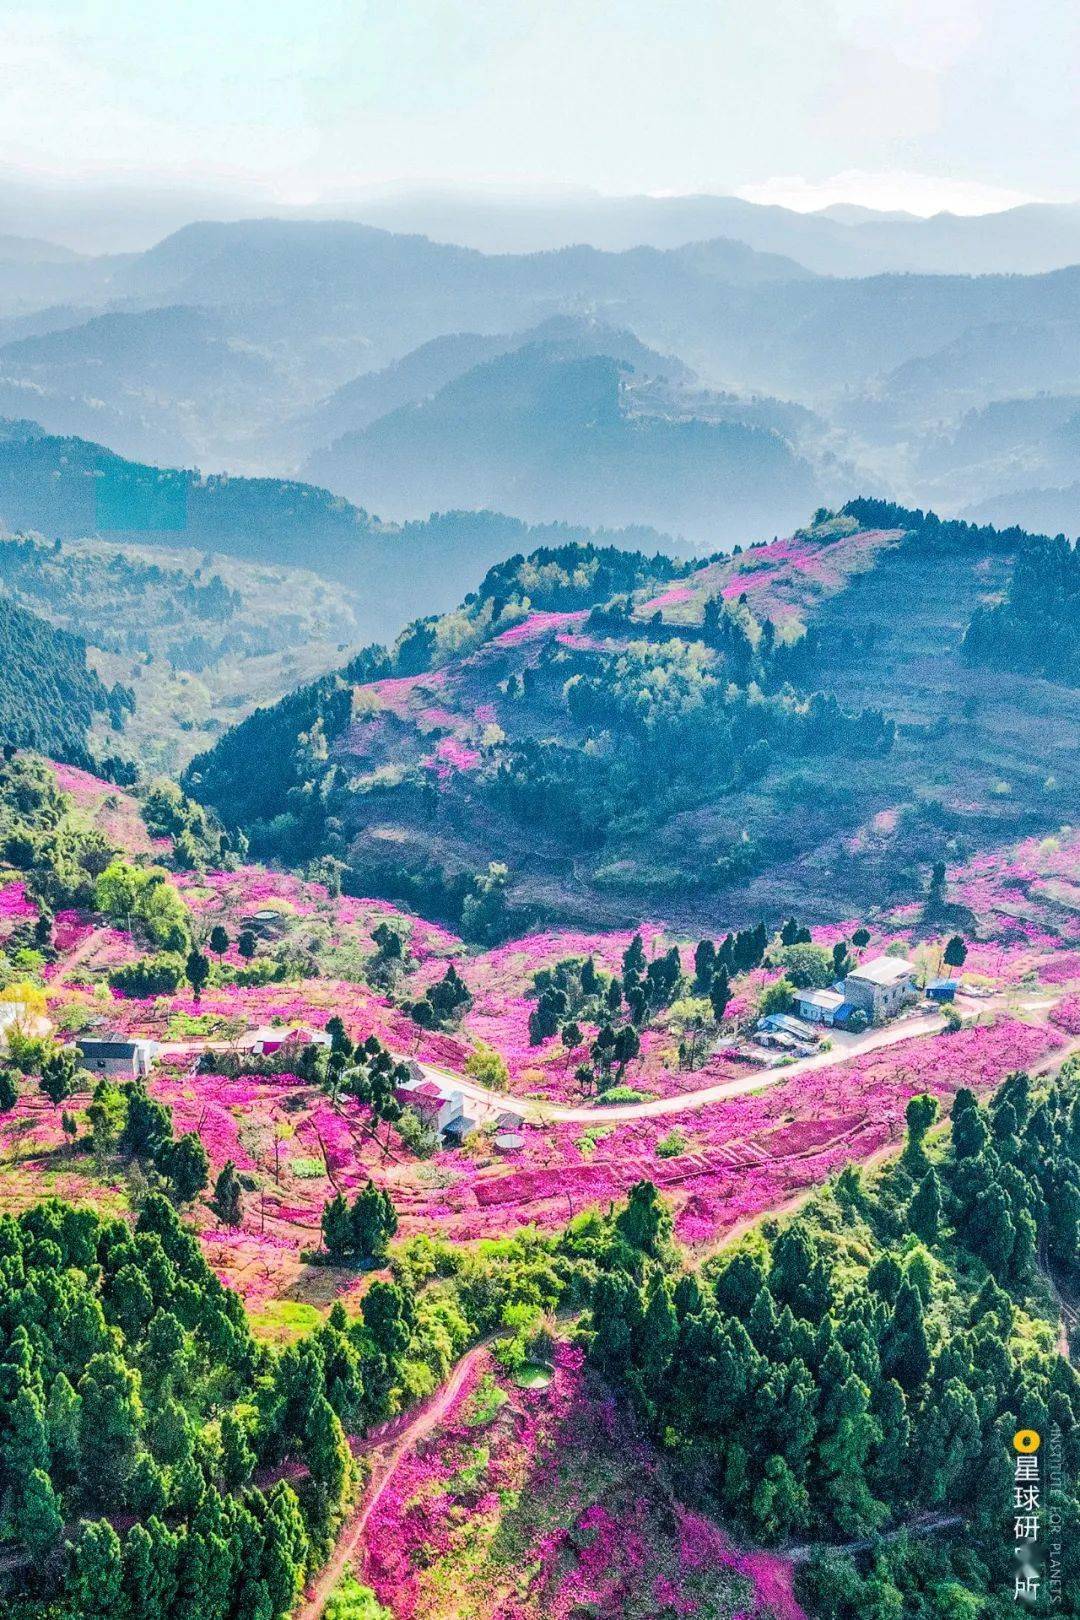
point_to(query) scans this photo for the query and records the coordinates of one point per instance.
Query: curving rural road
(845, 1048)
(543, 1113)
(539, 1113)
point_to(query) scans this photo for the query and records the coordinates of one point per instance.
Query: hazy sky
(917, 103)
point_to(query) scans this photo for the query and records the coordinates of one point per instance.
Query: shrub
(776, 998)
(487, 1067)
(152, 976)
(351, 1601)
(27, 1052)
(307, 1169)
(624, 1094)
(201, 1025)
(263, 970)
(808, 967)
(673, 1143)
(419, 1138)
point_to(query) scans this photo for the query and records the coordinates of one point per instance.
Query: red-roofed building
(437, 1105)
(268, 1041)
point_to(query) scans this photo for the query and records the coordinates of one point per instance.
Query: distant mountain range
(29, 250)
(257, 346)
(548, 434)
(840, 241)
(1049, 511)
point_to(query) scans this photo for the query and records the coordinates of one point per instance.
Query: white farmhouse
(880, 987)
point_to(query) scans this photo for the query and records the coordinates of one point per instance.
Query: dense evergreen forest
(1035, 629)
(143, 1429)
(851, 1378)
(862, 1369)
(49, 699)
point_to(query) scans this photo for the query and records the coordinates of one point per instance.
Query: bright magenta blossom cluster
(14, 905)
(538, 625)
(564, 1477)
(742, 1156)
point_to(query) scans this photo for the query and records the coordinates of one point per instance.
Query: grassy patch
(351, 1601)
(586, 1142)
(281, 1321)
(487, 1400)
(307, 1169)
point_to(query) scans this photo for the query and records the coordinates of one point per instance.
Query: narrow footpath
(383, 1448)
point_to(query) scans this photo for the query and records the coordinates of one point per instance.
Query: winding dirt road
(384, 1447)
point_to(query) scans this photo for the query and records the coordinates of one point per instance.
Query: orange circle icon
(1026, 1440)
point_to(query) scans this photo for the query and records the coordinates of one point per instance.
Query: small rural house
(269, 1040)
(115, 1056)
(437, 1104)
(942, 990)
(820, 1007)
(457, 1129)
(880, 987)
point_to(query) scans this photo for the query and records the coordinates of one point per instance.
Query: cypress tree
(905, 1353)
(924, 1211)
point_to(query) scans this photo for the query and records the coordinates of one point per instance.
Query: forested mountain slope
(1035, 628)
(199, 643)
(424, 371)
(70, 488)
(164, 384)
(49, 699)
(795, 727)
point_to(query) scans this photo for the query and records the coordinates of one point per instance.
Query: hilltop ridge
(628, 734)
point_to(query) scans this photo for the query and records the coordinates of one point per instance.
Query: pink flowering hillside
(543, 1505)
(783, 580)
(727, 1162)
(111, 809)
(795, 728)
